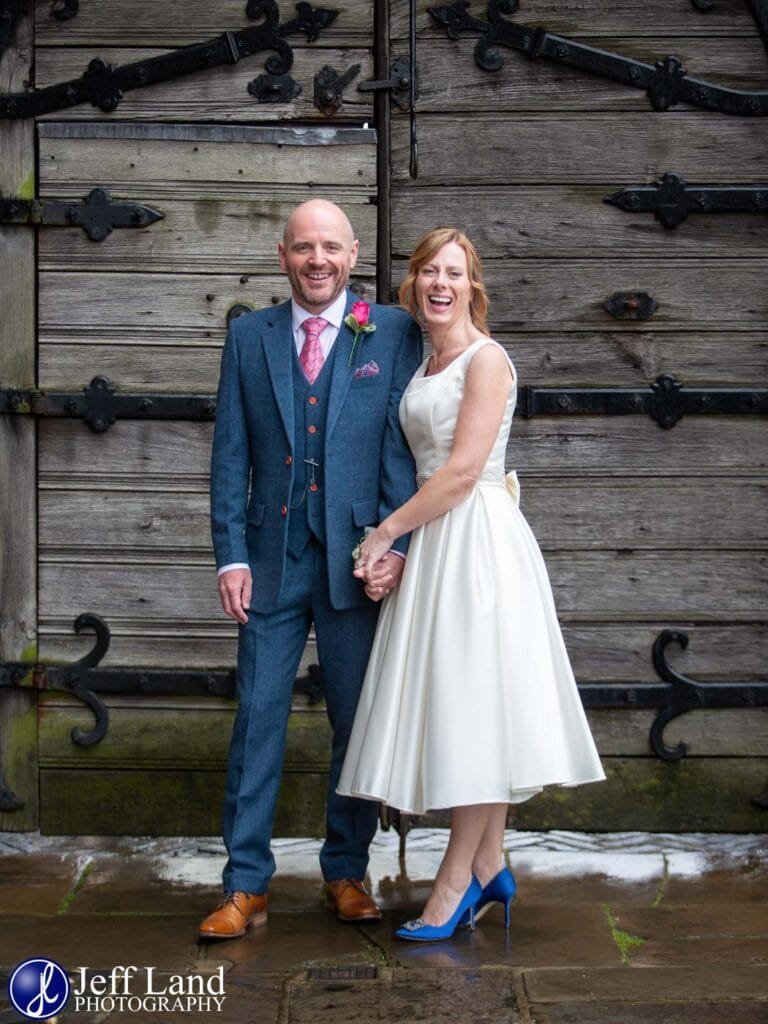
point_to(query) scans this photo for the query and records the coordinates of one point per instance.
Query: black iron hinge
(666, 82)
(666, 401)
(103, 85)
(98, 214)
(671, 199)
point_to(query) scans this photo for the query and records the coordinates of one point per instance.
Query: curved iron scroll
(688, 695)
(666, 82)
(103, 85)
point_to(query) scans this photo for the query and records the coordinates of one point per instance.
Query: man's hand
(235, 592)
(385, 576)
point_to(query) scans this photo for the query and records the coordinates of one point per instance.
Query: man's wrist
(230, 566)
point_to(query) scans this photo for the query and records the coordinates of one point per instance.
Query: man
(307, 452)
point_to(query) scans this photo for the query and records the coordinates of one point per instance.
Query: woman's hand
(368, 565)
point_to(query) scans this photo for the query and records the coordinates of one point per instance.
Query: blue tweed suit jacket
(368, 469)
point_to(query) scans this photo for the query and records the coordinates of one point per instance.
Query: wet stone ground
(611, 929)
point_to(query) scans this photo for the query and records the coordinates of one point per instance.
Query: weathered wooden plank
(545, 359)
(647, 515)
(568, 221)
(524, 294)
(173, 737)
(599, 652)
(209, 234)
(703, 794)
(606, 445)
(564, 514)
(179, 22)
(182, 309)
(169, 803)
(193, 368)
(588, 585)
(697, 795)
(631, 358)
(591, 147)
(210, 161)
(449, 78)
(171, 455)
(215, 94)
(18, 580)
(569, 294)
(580, 18)
(135, 454)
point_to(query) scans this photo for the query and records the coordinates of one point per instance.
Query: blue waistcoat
(306, 514)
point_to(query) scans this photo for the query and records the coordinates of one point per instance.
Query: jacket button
(288, 460)
(312, 400)
(312, 429)
(283, 510)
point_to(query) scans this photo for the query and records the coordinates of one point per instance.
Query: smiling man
(307, 452)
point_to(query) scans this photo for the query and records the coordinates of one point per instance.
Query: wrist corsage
(358, 321)
(356, 549)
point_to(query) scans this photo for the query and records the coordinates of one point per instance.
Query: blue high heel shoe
(419, 931)
(500, 889)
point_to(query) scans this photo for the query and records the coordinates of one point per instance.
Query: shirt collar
(334, 314)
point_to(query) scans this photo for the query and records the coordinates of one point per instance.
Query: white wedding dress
(469, 696)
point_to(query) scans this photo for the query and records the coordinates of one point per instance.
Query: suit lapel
(278, 352)
(342, 372)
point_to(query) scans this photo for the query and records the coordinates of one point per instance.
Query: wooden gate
(644, 529)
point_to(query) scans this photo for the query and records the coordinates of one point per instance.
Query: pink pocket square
(366, 370)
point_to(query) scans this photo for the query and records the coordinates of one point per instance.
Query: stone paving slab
(37, 885)
(291, 942)
(701, 932)
(163, 942)
(660, 1013)
(477, 996)
(651, 985)
(539, 935)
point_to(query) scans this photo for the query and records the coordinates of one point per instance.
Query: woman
(469, 701)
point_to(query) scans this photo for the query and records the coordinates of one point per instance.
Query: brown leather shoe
(350, 900)
(233, 915)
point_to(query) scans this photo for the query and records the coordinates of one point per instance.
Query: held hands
(377, 565)
(235, 593)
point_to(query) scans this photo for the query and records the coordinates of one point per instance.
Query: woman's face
(442, 288)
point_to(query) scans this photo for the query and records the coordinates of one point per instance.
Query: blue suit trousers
(269, 650)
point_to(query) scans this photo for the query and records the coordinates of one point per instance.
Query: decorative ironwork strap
(97, 214)
(10, 11)
(104, 86)
(84, 680)
(666, 82)
(671, 199)
(666, 401)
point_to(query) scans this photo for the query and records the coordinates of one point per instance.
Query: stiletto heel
(419, 931)
(500, 889)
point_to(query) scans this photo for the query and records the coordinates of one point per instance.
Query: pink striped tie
(312, 357)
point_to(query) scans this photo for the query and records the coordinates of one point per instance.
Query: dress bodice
(428, 412)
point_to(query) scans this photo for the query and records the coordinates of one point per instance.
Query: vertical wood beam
(18, 537)
(381, 112)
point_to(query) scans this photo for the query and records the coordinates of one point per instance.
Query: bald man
(307, 452)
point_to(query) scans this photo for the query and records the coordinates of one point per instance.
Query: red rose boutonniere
(358, 321)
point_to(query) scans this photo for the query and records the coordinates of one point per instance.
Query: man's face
(317, 255)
